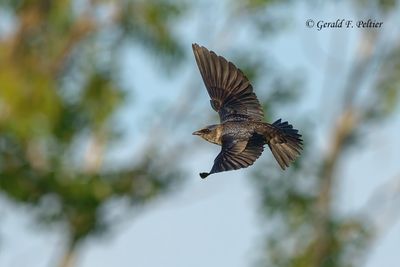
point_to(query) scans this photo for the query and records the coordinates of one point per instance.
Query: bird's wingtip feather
(204, 174)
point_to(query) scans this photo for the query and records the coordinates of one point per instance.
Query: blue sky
(216, 222)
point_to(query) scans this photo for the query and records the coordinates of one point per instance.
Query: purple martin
(242, 133)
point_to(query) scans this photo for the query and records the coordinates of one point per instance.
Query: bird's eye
(206, 131)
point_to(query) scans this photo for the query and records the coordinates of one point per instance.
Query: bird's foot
(204, 174)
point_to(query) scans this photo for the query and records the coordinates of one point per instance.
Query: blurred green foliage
(57, 99)
(304, 229)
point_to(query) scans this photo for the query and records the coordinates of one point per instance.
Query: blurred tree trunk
(324, 240)
(68, 258)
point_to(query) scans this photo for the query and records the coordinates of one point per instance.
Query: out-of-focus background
(98, 167)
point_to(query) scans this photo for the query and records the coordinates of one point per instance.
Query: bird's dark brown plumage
(230, 91)
(242, 133)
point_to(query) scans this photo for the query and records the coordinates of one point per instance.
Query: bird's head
(211, 133)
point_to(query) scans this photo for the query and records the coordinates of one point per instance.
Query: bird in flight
(241, 133)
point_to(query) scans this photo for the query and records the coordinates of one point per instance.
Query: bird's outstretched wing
(236, 154)
(231, 93)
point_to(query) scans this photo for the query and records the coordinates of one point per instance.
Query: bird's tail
(284, 141)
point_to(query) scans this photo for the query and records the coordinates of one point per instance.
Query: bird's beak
(196, 133)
